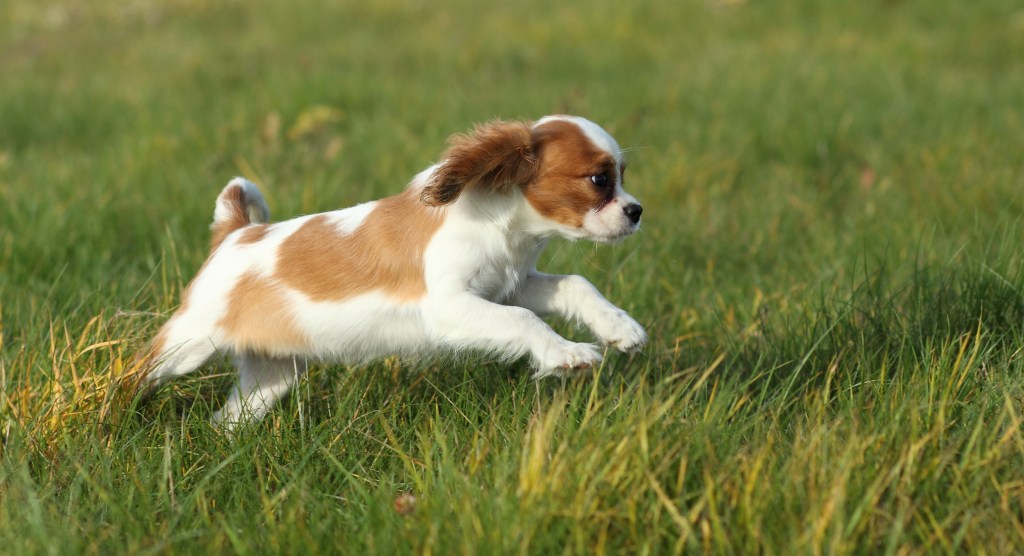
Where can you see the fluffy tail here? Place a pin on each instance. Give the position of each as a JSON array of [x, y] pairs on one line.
[[239, 204]]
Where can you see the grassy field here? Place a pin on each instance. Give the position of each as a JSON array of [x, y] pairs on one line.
[[830, 270]]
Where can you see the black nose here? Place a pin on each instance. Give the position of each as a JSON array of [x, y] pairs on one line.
[[633, 212]]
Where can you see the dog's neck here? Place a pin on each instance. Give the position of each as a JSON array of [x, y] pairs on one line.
[[492, 240]]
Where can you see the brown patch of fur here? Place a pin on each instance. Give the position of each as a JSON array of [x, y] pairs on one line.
[[385, 253], [258, 319], [497, 154], [563, 191], [238, 218], [253, 233]]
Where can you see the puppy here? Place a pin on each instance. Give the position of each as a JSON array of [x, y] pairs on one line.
[[448, 264]]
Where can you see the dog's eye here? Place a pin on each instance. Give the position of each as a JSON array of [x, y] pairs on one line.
[[600, 180]]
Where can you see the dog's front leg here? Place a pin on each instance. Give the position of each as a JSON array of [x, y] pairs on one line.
[[573, 297], [465, 321]]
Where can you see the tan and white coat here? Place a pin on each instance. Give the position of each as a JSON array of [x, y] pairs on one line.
[[448, 264]]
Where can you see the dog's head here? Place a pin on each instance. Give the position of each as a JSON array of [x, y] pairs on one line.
[[568, 170]]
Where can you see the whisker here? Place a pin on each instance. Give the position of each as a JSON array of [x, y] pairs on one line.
[[632, 149]]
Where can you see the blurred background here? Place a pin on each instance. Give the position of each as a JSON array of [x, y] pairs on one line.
[[773, 140]]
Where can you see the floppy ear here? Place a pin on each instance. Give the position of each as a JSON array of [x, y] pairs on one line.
[[495, 155]]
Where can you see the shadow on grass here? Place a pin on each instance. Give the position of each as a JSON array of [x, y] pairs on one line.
[[883, 321]]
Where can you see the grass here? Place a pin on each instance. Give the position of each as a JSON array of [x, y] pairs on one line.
[[829, 269]]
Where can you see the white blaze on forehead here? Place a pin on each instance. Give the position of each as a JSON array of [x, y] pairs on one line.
[[597, 135]]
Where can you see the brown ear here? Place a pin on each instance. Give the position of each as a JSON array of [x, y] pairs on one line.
[[495, 155]]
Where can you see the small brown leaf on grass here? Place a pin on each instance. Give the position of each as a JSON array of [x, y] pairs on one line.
[[867, 178], [405, 503]]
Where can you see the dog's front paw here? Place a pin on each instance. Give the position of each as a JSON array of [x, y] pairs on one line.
[[569, 358], [621, 332]]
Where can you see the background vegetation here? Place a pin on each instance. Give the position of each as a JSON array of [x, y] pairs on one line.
[[830, 271]]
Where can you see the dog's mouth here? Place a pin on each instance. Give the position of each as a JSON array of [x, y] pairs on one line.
[[616, 237]]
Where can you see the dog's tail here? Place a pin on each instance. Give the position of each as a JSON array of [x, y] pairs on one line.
[[239, 204]]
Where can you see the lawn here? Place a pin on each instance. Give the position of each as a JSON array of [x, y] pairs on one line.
[[830, 270]]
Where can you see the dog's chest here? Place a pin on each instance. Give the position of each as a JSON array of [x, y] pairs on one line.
[[502, 268], [496, 282]]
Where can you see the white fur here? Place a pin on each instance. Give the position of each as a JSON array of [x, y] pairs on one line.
[[597, 135], [610, 223], [483, 293]]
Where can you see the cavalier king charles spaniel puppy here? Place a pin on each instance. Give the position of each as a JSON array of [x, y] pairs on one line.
[[449, 264]]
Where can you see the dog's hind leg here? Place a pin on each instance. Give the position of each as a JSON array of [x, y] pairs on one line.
[[262, 381], [181, 347]]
